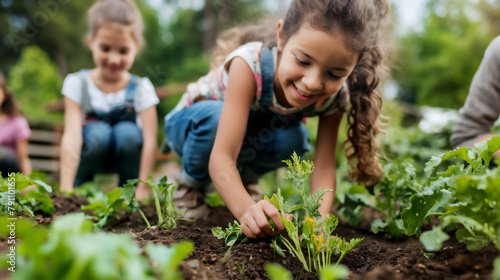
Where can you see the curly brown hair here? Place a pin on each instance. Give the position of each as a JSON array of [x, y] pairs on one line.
[[362, 23]]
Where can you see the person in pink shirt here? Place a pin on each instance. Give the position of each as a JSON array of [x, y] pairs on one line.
[[14, 135]]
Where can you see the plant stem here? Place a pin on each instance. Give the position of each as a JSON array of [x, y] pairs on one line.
[[158, 207], [145, 219]]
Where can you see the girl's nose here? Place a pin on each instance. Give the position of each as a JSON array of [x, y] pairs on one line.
[[113, 58], [313, 81]]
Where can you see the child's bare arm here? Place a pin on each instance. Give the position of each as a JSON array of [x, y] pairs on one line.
[[22, 155], [323, 175], [71, 144], [149, 132], [231, 131]]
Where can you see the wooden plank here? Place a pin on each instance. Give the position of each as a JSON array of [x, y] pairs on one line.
[[37, 150], [45, 136], [51, 165]]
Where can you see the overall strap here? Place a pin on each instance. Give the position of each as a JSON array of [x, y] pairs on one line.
[[267, 67], [86, 107], [130, 92]]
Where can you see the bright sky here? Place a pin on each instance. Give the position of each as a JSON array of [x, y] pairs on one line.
[[408, 12]]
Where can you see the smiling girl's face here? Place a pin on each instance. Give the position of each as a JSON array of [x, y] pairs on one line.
[[313, 66], [113, 49]]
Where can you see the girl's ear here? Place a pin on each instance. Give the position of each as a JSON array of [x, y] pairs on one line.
[[281, 42], [89, 40]]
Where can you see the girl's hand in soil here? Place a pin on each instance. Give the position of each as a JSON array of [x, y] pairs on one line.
[[255, 223]]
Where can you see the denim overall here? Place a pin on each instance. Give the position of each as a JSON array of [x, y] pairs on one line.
[[112, 141], [269, 137]]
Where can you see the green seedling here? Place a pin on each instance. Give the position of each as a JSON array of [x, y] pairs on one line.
[[241, 267], [231, 235], [304, 230], [70, 249], [106, 207], [12, 202], [168, 214]]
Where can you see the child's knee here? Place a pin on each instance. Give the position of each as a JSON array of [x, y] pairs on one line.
[[128, 137], [209, 115], [96, 138]]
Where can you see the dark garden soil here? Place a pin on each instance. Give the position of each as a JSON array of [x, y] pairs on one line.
[[375, 257]]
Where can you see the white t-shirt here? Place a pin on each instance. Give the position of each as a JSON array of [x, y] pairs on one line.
[[145, 95]]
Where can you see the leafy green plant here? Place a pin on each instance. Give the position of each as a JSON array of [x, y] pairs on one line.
[[213, 199], [12, 202], [466, 195], [167, 215], [277, 272], [304, 230], [389, 198], [107, 207], [231, 235], [69, 249]]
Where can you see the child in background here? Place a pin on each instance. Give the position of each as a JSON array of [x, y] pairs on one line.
[[14, 135], [482, 107], [110, 115], [245, 116]]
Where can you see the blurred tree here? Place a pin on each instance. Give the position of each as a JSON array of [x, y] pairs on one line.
[[58, 27], [218, 15], [437, 64], [34, 81]]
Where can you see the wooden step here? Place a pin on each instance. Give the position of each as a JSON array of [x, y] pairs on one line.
[[47, 165], [38, 150], [45, 136]]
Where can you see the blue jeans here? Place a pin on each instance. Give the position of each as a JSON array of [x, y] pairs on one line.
[[108, 149], [8, 162], [269, 139]]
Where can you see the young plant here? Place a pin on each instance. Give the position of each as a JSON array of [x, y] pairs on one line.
[[12, 202], [106, 207], [167, 215], [466, 195], [389, 198], [69, 249], [277, 272], [231, 235], [304, 230]]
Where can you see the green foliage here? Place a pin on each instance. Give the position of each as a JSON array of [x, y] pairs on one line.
[[213, 200], [459, 194], [389, 198], [231, 235], [305, 230], [277, 272], [167, 215], [35, 82], [70, 250], [106, 207], [12, 202], [437, 63], [166, 260]]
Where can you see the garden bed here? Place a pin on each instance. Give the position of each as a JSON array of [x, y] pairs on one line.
[[374, 258]]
